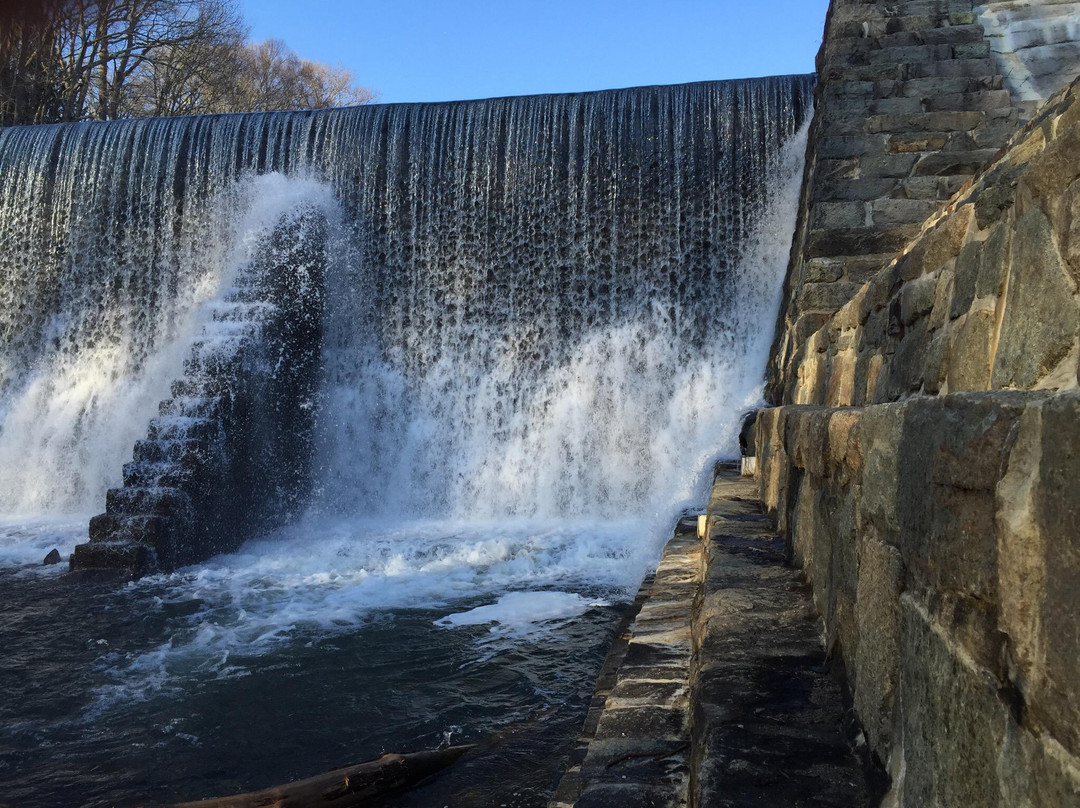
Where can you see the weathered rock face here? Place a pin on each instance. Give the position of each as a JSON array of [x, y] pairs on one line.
[[985, 298], [1036, 44], [231, 450], [940, 538], [909, 105]]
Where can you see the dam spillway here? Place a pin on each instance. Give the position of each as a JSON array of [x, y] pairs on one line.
[[543, 318], [530, 298]]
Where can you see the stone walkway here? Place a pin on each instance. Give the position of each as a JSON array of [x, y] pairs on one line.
[[720, 693]]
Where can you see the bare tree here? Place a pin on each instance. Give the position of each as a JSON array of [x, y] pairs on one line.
[[194, 76], [31, 75], [64, 60], [273, 77]]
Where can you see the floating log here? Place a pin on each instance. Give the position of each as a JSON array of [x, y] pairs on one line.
[[352, 786]]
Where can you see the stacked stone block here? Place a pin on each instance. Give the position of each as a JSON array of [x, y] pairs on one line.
[[939, 535], [909, 104], [925, 473], [230, 451], [924, 466], [985, 298], [1036, 45]]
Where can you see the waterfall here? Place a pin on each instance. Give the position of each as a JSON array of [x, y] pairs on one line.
[[545, 307]]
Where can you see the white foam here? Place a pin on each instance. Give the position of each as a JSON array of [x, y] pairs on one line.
[[523, 612], [24, 542], [628, 421], [69, 424], [329, 576]]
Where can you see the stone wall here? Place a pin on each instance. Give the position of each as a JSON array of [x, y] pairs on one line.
[[924, 464], [909, 104], [940, 537], [1036, 44], [984, 298]]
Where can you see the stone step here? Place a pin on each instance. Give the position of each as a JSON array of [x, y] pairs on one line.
[[247, 294], [170, 474], [980, 67], [181, 428], [116, 555], [957, 12], [866, 104], [246, 329], [194, 387], [216, 362], [193, 406], [972, 101], [904, 31], [941, 164], [237, 311], [885, 26], [945, 85], [874, 51], [148, 502], [109, 527], [175, 451], [218, 344]]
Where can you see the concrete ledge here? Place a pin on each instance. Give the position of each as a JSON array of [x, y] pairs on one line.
[[722, 694]]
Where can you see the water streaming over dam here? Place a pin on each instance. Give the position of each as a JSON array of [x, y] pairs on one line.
[[544, 318]]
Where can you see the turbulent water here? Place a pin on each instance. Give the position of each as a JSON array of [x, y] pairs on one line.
[[545, 317]]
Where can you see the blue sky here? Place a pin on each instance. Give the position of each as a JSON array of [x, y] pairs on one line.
[[426, 50]]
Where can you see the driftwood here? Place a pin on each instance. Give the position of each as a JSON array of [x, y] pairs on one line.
[[349, 787]]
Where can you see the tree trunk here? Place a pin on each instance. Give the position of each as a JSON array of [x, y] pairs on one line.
[[350, 787]]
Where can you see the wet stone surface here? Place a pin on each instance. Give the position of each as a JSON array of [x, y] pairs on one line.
[[721, 694], [769, 709]]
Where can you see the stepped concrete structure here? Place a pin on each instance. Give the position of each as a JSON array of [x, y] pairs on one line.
[[230, 452]]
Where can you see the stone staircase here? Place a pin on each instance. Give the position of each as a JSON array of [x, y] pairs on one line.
[[229, 451], [721, 693]]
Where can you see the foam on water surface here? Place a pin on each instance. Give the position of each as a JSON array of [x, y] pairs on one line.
[[287, 589], [523, 612]]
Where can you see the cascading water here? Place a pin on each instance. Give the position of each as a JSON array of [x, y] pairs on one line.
[[544, 318], [534, 284]]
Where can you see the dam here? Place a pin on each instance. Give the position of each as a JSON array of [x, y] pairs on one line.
[[697, 445], [506, 326]]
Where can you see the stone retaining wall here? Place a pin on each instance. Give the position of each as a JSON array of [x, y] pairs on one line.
[[924, 462], [908, 105], [940, 536], [984, 298], [1036, 44]]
